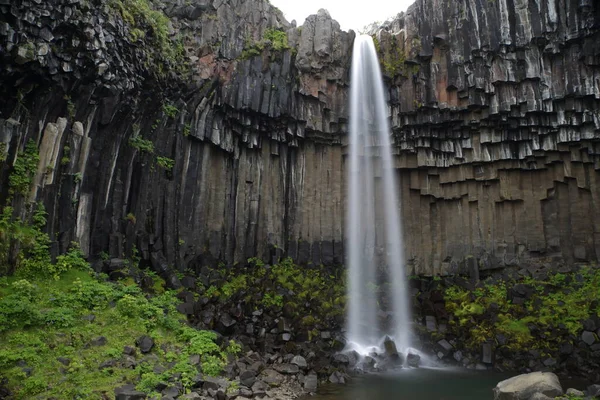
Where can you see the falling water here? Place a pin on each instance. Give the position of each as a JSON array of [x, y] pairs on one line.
[[373, 222]]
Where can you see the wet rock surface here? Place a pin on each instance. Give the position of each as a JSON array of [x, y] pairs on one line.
[[493, 111]]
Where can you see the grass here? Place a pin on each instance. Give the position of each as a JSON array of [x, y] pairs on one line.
[[43, 321]]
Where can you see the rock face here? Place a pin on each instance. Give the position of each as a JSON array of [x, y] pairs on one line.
[[494, 111], [524, 387]]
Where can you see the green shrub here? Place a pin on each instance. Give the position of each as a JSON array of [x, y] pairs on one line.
[[270, 300], [170, 110], [165, 163], [24, 169], [273, 39], [278, 39], [141, 144], [559, 304]]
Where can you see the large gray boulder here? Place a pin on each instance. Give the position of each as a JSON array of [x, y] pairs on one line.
[[524, 387]]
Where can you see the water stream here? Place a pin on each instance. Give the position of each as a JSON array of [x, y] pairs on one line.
[[375, 247]]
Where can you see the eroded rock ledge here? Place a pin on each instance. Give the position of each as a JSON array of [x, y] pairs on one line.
[[494, 107]]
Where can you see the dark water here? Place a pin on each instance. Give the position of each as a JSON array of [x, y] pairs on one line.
[[416, 384]]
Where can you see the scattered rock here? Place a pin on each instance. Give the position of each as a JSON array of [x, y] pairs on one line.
[[310, 382], [271, 377], [211, 382], [98, 341], [128, 392], [588, 338], [64, 361], [191, 396], [337, 378], [145, 343], [300, 362], [259, 388], [248, 377], [593, 390], [107, 364], [431, 323], [287, 368], [413, 360], [486, 353], [574, 392]]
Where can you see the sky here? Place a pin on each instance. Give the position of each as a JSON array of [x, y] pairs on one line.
[[350, 14]]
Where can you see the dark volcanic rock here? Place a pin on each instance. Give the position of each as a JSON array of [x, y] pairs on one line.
[[491, 106], [145, 343], [128, 392]]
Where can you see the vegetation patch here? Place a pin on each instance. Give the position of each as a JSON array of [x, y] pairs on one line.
[[151, 26], [69, 333], [299, 291], [527, 313], [24, 169], [391, 57], [273, 39], [141, 144]]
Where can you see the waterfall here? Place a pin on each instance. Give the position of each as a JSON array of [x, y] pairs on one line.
[[375, 248]]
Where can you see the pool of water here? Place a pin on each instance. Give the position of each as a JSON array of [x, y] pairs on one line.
[[416, 384]]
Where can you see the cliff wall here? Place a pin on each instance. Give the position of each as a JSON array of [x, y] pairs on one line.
[[207, 137]]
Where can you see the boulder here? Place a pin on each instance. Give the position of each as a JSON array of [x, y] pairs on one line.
[[522, 387]]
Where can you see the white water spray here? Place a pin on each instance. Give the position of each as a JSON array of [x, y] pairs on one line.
[[374, 229]]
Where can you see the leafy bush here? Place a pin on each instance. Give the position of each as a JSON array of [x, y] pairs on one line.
[[24, 169], [151, 25], [278, 39], [273, 39], [170, 110], [165, 162], [141, 144], [559, 304]]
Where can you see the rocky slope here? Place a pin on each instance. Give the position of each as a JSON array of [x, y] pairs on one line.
[[494, 106]]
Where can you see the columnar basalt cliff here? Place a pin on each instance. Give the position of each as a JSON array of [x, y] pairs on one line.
[[233, 144]]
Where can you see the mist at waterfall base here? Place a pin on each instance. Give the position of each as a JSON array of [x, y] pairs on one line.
[[375, 247]]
